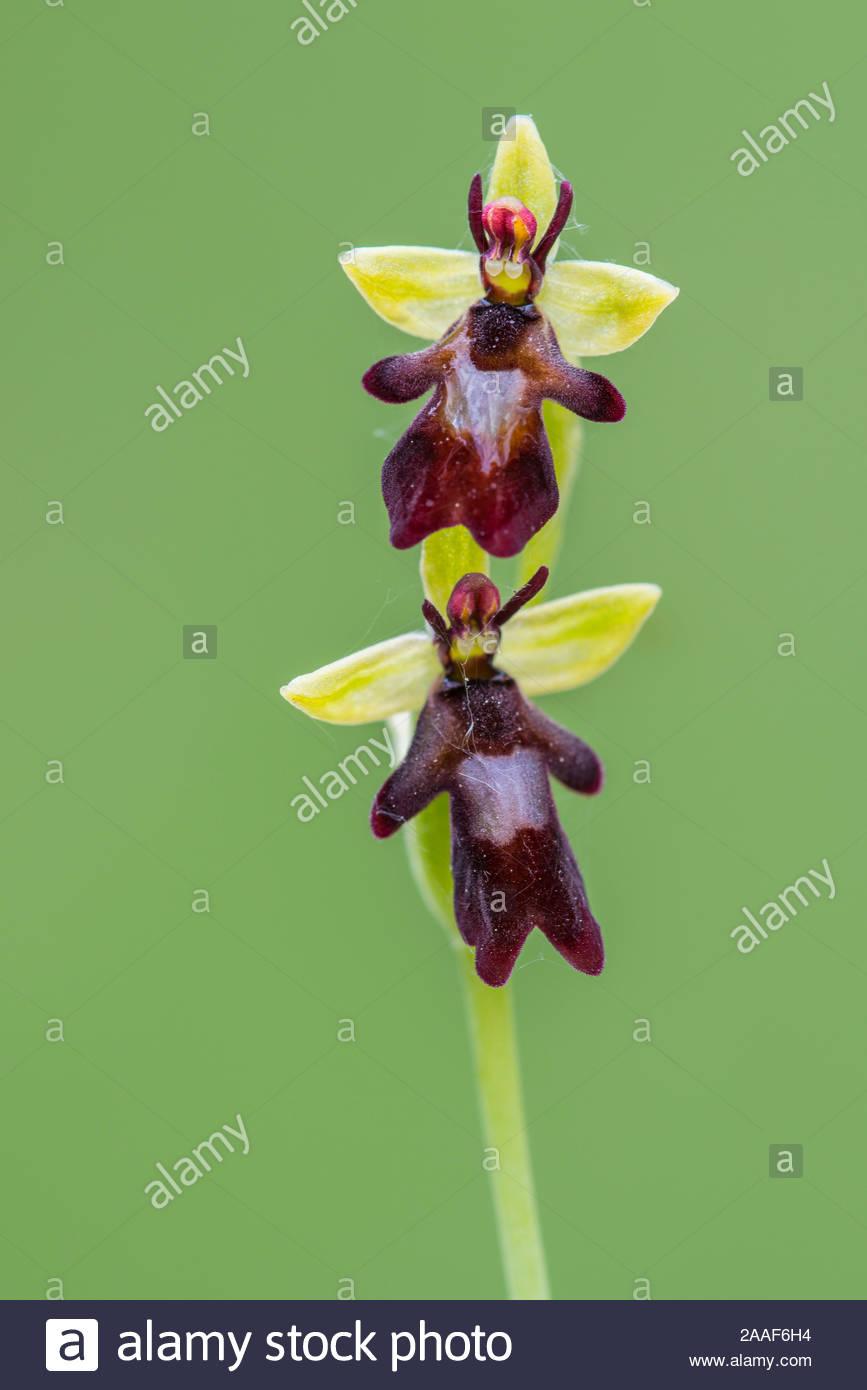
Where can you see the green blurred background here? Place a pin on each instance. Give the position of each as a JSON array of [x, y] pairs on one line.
[[366, 1159]]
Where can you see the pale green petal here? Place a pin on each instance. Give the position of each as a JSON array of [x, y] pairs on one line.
[[523, 170], [371, 684], [427, 838], [428, 845], [597, 307], [565, 432], [420, 289], [570, 641], [446, 557]]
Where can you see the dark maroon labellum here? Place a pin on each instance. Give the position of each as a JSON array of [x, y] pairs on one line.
[[477, 454]]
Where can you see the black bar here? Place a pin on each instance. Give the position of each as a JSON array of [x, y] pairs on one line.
[[599, 1345]]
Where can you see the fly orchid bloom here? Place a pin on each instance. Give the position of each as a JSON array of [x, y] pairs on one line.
[[477, 454], [480, 741]]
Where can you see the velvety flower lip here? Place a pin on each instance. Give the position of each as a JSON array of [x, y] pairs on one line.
[[477, 454], [492, 751]]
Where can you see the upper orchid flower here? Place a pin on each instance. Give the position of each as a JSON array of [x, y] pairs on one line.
[[479, 740], [477, 455]]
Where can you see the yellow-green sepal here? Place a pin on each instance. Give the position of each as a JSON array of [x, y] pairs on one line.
[[419, 289], [570, 641], [446, 557], [370, 685], [597, 307], [523, 170]]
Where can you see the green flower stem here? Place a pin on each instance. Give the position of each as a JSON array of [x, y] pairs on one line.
[[492, 1027], [491, 1019], [445, 557]]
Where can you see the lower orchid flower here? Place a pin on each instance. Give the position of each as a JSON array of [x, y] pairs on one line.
[[492, 751], [479, 740], [477, 455]]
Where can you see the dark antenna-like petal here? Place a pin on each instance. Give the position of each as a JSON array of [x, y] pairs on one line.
[[517, 601], [558, 222], [475, 202], [440, 627]]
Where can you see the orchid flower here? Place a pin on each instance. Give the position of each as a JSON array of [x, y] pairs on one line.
[[477, 454], [479, 740]]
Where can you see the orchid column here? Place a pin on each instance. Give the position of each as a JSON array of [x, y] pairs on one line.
[[481, 472]]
